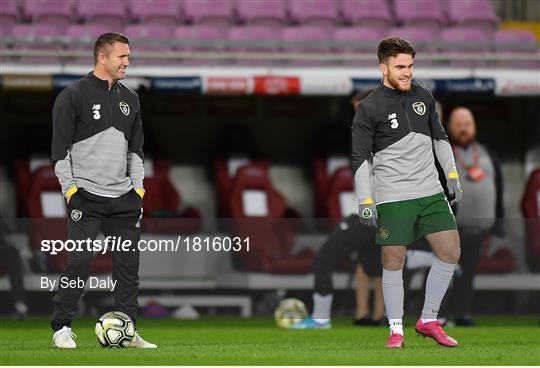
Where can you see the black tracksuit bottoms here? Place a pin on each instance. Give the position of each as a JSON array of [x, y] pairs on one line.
[[89, 215]]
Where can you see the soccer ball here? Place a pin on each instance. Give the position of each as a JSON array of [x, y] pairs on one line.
[[289, 312], [115, 330]]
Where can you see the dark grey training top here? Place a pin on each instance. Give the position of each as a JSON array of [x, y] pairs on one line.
[[98, 138], [400, 132]]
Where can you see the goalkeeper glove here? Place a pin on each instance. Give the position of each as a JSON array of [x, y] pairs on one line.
[[454, 188], [368, 213]]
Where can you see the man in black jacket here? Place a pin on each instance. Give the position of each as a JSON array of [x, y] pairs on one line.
[[397, 126], [97, 153]]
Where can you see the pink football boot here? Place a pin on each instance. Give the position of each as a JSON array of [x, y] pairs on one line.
[[434, 330], [395, 341]]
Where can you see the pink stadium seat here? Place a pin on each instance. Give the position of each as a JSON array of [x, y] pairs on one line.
[[372, 14], [108, 12], [463, 41], [360, 40], [478, 14], [37, 37], [424, 14], [217, 13], [198, 38], [270, 13], [254, 37], [322, 14], [258, 212], [57, 13], [423, 41], [163, 12], [9, 15], [148, 38], [307, 39], [518, 42], [82, 37]]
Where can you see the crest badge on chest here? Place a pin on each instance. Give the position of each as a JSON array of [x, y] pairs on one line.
[[124, 107], [419, 108]]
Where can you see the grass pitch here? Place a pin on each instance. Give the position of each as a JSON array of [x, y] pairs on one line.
[[231, 341]]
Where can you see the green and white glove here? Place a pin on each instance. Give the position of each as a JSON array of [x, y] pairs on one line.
[[454, 187], [368, 213]]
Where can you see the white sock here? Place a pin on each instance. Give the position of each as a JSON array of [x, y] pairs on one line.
[[426, 320], [437, 283], [322, 307], [396, 326]]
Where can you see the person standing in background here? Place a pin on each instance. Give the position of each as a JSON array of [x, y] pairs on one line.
[[480, 211]]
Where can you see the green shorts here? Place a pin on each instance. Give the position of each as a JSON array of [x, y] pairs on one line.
[[401, 223]]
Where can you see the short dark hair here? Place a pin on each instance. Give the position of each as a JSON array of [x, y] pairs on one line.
[[108, 39], [392, 46]]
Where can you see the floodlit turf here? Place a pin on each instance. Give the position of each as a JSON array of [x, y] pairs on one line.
[[231, 341]]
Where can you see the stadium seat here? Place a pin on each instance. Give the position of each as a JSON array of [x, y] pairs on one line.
[[225, 171], [460, 40], [324, 169], [55, 13], [340, 199], [81, 37], [149, 38], [501, 261], [258, 211], [254, 38], [322, 14], [162, 201], [165, 13], [518, 42], [358, 40], [24, 169], [9, 16], [425, 42], [216, 13], [47, 209], [112, 13], [306, 39], [424, 14], [37, 37], [262, 12], [476, 14], [530, 207], [370, 14], [198, 38]]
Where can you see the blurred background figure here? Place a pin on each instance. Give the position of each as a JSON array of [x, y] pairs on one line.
[[480, 211], [10, 260], [368, 272]]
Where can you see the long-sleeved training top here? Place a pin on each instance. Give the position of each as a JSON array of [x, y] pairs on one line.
[[98, 138], [399, 131]]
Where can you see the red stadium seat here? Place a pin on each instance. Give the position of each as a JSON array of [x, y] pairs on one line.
[[530, 206], [340, 198], [46, 207], [502, 261], [24, 169], [161, 203], [323, 170], [225, 171], [258, 211]]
